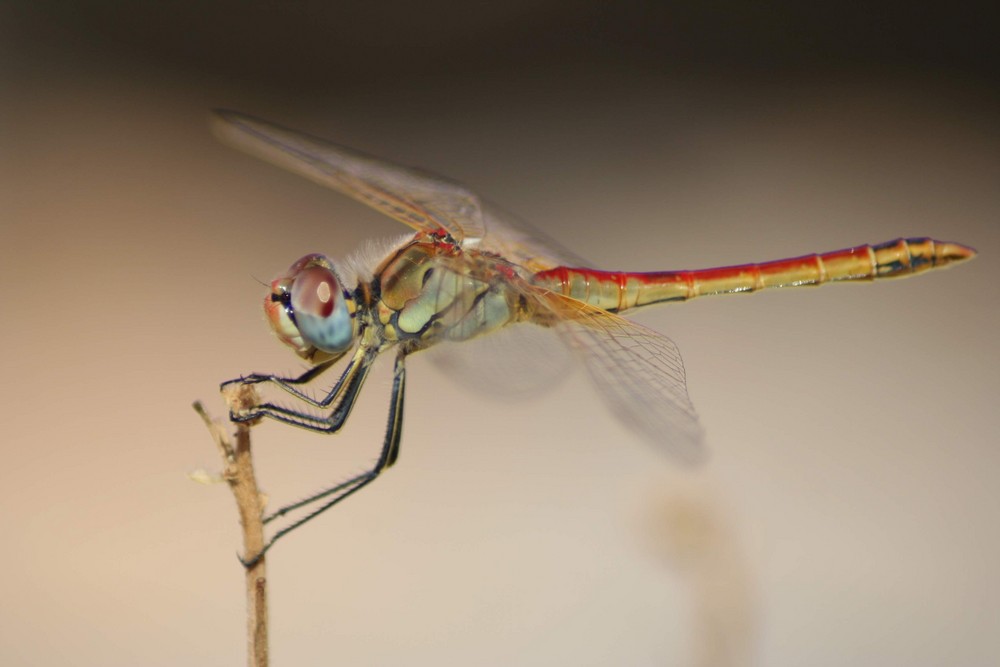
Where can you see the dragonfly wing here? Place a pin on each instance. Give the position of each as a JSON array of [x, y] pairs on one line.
[[521, 243], [424, 201], [637, 371], [515, 363]]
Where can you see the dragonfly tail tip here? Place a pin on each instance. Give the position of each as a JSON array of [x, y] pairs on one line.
[[954, 252]]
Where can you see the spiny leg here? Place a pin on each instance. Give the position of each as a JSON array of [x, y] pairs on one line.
[[343, 395], [288, 384], [388, 456]]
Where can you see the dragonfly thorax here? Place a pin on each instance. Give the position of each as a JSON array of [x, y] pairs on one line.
[[430, 292], [310, 311]]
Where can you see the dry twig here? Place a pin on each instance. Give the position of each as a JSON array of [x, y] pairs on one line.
[[238, 472]]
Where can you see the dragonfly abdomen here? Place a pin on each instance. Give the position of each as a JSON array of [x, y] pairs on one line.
[[618, 291], [614, 291]]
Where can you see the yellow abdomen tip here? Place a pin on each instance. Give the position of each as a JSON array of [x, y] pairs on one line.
[[953, 252]]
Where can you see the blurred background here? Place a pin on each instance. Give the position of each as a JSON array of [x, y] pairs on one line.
[[848, 513]]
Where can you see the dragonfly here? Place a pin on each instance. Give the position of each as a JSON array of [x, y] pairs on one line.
[[469, 270]]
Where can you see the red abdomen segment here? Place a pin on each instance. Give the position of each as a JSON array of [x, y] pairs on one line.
[[618, 291]]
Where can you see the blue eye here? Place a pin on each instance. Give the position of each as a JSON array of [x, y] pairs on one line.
[[320, 311]]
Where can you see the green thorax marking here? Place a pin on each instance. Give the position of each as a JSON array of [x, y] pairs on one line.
[[431, 292]]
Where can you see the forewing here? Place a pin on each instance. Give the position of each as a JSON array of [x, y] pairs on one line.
[[419, 199], [521, 243], [637, 371], [423, 201]]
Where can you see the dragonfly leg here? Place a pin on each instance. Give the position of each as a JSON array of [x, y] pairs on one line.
[[334, 494], [342, 397], [288, 384]]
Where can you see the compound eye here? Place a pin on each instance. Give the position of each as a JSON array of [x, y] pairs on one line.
[[320, 310]]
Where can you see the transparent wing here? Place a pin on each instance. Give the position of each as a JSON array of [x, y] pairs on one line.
[[425, 202], [637, 371], [421, 200], [521, 243], [514, 363]]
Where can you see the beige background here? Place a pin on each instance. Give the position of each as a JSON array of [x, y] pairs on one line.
[[848, 514]]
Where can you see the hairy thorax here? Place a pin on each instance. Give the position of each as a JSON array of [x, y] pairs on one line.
[[430, 291]]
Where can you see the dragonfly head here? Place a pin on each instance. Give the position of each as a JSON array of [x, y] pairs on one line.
[[310, 311]]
